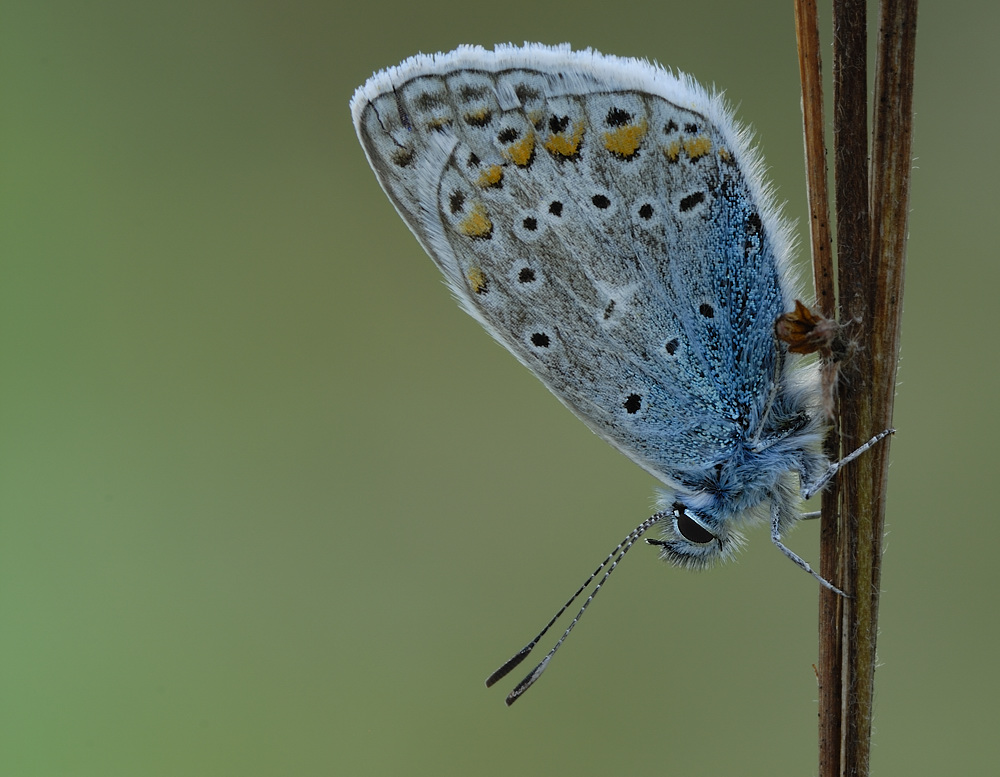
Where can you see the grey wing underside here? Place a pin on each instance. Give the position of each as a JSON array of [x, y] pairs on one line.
[[640, 289]]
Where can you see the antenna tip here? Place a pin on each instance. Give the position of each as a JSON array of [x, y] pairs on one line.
[[509, 664]]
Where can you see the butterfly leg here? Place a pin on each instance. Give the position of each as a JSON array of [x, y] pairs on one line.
[[802, 563], [822, 480]]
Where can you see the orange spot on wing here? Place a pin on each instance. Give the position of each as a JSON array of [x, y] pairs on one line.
[[522, 151], [564, 143], [478, 118], [491, 176], [477, 280], [625, 141], [477, 223], [439, 123], [697, 147]]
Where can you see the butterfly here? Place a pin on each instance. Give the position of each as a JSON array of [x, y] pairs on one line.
[[607, 221]]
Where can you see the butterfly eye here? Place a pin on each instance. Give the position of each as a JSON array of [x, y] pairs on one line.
[[689, 529]]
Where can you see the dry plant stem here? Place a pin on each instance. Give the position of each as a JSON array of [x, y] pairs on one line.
[[892, 144], [872, 225], [865, 500], [850, 132], [871, 231], [811, 77], [817, 186]]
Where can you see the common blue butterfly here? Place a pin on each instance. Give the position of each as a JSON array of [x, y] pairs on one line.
[[607, 221]]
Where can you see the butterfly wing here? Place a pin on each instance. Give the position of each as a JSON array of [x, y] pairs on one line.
[[606, 222]]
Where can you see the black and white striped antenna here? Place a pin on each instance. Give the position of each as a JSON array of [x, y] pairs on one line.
[[610, 563]]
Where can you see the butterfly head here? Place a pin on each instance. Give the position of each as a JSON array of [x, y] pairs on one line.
[[689, 538]]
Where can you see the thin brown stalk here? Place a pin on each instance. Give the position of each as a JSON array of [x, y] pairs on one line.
[[865, 412], [871, 242], [850, 133], [817, 187]]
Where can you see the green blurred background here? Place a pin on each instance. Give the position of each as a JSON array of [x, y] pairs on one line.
[[270, 504]]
